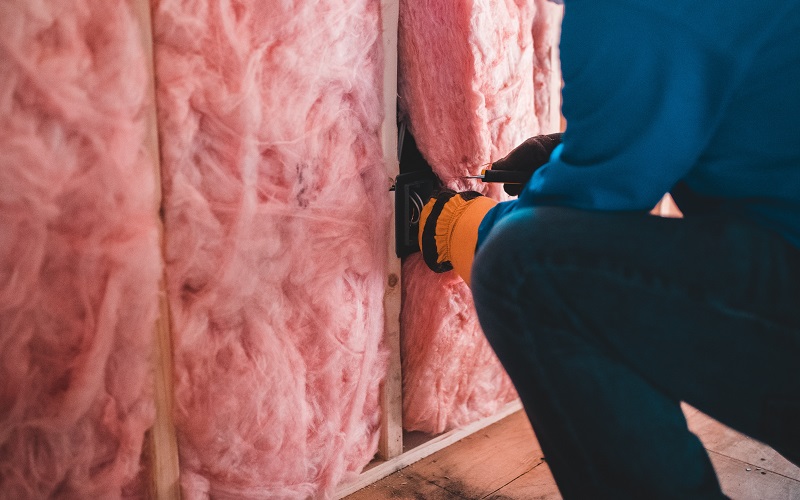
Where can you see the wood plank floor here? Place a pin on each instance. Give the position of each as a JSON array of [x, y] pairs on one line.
[[504, 462]]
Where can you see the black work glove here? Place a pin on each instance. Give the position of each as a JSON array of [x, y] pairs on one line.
[[527, 157]]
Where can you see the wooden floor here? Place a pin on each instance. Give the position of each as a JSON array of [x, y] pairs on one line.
[[504, 462]]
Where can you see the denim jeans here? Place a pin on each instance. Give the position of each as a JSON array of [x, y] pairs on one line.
[[607, 321]]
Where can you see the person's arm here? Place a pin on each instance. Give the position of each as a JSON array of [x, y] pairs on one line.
[[449, 221], [643, 92]]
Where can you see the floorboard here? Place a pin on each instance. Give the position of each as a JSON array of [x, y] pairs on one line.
[[504, 462], [403, 485], [485, 461], [536, 484], [732, 444], [744, 481]]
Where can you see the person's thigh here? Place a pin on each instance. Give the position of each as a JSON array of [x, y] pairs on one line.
[[706, 309]]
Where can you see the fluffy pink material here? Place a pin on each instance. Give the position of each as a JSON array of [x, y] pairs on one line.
[[546, 27], [452, 377], [276, 216], [79, 252], [467, 89]]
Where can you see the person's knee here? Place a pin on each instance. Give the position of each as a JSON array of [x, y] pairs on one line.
[[514, 245], [504, 263], [526, 256], [500, 253], [528, 238]]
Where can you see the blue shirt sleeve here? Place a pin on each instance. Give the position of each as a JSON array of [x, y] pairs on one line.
[[643, 92]]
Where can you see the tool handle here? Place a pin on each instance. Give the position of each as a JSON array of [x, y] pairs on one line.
[[506, 176]]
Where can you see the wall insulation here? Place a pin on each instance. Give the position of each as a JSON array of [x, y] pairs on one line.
[[276, 216], [475, 81], [276, 232], [79, 252]]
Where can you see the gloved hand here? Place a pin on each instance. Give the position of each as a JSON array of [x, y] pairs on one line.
[[449, 230], [527, 157]]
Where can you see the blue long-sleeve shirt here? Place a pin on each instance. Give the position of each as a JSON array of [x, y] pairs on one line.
[[698, 98]]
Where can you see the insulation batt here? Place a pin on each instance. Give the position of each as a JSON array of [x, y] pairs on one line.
[[276, 213], [475, 81], [79, 251]]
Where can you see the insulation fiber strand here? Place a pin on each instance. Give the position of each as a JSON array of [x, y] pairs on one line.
[[474, 83], [276, 217], [79, 255]]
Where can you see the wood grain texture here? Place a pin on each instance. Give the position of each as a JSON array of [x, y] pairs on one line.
[[485, 461], [504, 462], [726, 441], [162, 439], [401, 486], [390, 443], [424, 447], [743, 481], [536, 484]]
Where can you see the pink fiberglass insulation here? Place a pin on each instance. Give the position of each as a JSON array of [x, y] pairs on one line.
[[79, 252], [452, 377], [276, 228], [546, 27], [467, 72]]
